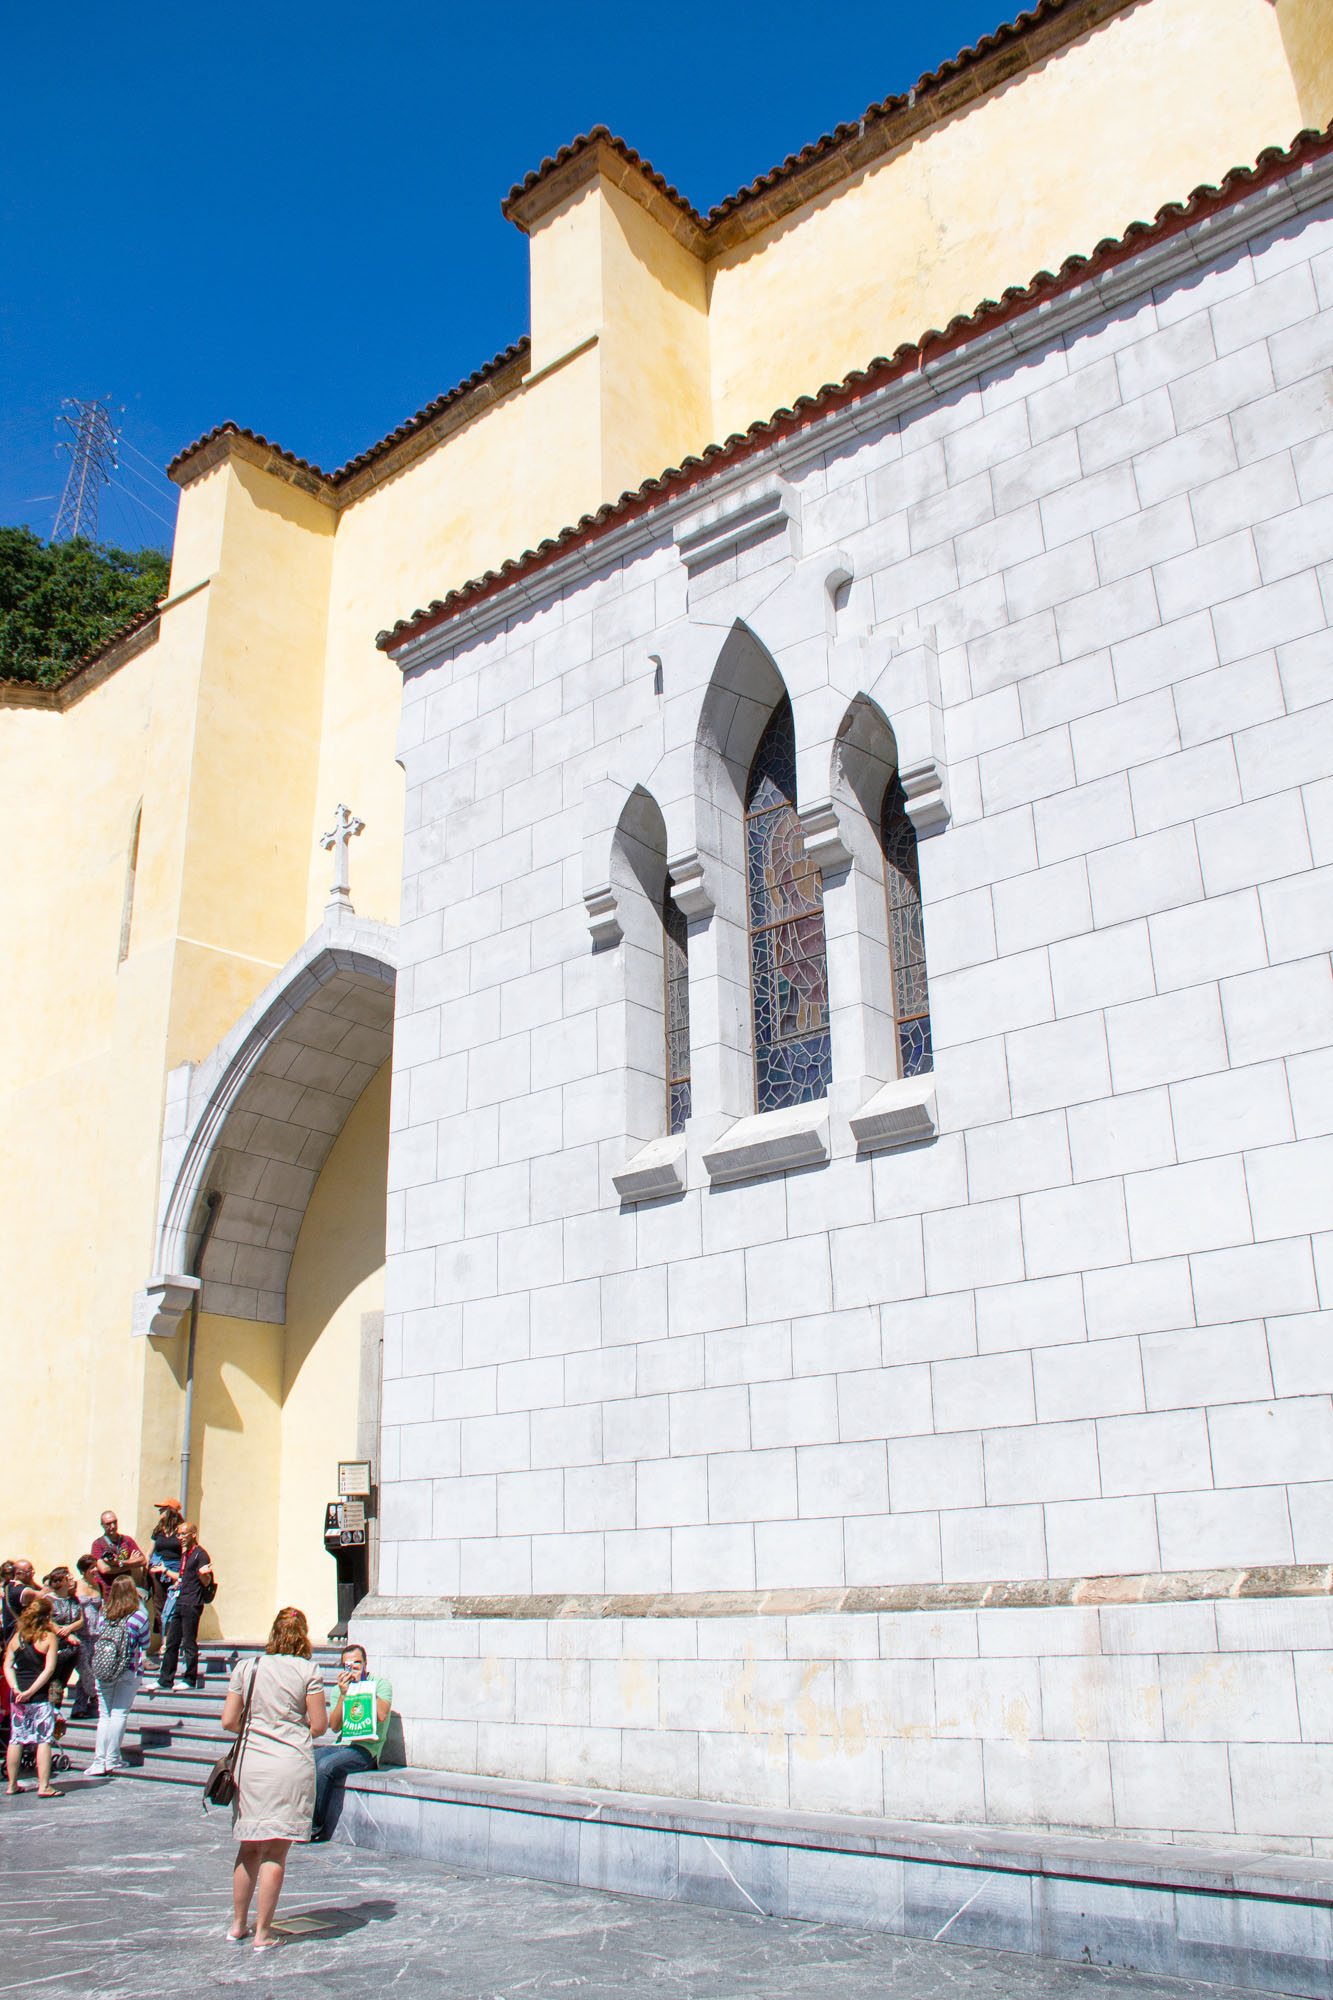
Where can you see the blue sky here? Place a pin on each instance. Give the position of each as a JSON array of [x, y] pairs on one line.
[[289, 214]]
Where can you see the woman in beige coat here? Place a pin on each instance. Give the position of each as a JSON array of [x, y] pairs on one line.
[[275, 1768]]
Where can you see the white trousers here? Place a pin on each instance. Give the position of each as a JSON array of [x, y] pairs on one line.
[[114, 1701]]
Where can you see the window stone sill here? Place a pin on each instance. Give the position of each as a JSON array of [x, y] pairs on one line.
[[657, 1169], [903, 1113], [772, 1142]]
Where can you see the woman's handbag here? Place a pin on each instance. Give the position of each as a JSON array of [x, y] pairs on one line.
[[220, 1785]]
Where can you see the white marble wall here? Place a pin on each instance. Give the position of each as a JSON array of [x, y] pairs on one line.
[[1208, 1721], [1084, 1329]]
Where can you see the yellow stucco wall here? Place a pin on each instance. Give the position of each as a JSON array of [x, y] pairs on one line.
[[250, 786], [236, 1442], [1135, 114], [337, 1276], [656, 408], [497, 485], [264, 703], [80, 1090]]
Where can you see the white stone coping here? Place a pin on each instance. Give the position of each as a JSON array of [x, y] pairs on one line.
[[903, 1113], [771, 1142], [657, 1169]]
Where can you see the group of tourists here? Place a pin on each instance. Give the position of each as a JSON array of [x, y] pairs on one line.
[[96, 1622], [94, 1626]]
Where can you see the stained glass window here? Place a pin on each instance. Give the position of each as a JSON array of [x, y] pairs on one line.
[[676, 975], [793, 1060], [907, 944]]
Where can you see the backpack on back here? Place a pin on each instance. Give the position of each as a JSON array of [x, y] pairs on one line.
[[112, 1649]]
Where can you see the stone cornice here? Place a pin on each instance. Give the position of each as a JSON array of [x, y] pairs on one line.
[[1035, 1594]]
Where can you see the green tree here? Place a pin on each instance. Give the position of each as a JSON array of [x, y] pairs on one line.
[[61, 600]]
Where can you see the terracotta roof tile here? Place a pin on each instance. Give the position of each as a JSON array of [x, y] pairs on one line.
[[50, 694], [604, 135], [1273, 163], [427, 416], [1080, 13], [230, 429], [707, 232], [424, 417]]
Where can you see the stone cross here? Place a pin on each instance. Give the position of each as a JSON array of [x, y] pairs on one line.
[[345, 826]]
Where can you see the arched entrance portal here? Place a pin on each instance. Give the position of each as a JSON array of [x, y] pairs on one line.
[[283, 1129]]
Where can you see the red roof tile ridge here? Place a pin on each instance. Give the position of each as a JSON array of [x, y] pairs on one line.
[[125, 631], [1008, 31], [435, 408], [1272, 164], [229, 428], [423, 417], [1021, 26], [600, 135]]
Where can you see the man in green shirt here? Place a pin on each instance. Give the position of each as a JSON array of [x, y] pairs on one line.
[[360, 1721]]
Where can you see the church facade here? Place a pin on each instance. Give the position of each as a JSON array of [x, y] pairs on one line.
[[861, 1180], [802, 1157]]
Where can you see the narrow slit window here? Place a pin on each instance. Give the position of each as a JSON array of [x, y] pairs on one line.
[[793, 1057], [907, 942], [676, 989], [131, 870]]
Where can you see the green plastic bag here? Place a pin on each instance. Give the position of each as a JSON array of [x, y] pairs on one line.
[[359, 1713]]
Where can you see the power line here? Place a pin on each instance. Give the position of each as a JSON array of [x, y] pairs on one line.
[[92, 448], [130, 494], [154, 468]]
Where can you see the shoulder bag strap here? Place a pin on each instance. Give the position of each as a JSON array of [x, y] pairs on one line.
[[243, 1731]]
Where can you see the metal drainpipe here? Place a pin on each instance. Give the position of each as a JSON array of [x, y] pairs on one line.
[[196, 1269]]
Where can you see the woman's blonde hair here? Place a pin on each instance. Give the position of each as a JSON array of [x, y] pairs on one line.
[[121, 1600], [289, 1634], [34, 1621]]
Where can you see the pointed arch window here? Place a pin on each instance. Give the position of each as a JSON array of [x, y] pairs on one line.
[[676, 998], [793, 1059], [907, 943]]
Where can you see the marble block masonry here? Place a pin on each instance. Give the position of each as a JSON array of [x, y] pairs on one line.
[[955, 1446]]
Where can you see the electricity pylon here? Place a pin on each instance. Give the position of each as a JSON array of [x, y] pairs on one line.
[[91, 445]]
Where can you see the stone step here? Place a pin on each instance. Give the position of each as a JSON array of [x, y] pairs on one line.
[[176, 1736], [183, 1734], [1241, 1917]]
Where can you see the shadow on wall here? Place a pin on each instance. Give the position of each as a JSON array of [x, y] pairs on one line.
[[1306, 27], [342, 1238]]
